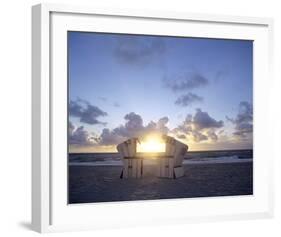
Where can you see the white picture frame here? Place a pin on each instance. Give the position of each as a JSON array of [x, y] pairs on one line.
[[50, 211]]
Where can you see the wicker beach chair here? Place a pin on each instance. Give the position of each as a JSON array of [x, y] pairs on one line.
[[132, 165], [170, 165]]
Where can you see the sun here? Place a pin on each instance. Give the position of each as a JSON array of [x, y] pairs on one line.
[[151, 144]]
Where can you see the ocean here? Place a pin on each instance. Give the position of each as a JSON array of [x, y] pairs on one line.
[[192, 157]]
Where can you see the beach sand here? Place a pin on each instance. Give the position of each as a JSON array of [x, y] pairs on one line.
[[89, 184]]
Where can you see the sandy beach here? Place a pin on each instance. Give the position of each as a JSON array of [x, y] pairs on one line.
[[89, 184]]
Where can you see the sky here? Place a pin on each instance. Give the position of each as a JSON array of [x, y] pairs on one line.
[[197, 90]]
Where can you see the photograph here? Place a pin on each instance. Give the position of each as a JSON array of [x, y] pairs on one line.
[[154, 117]]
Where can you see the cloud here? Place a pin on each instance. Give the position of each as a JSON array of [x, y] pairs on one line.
[[159, 127], [162, 122], [86, 112], [221, 74], [188, 99], [202, 120], [109, 137], [188, 80], [198, 136], [133, 50], [133, 127], [185, 82], [71, 128], [243, 121], [79, 136], [116, 104], [133, 120], [181, 136], [104, 99], [212, 135], [199, 127]]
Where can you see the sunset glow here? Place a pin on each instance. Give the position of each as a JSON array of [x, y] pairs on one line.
[[151, 144]]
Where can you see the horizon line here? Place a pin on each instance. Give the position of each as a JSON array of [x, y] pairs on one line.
[[163, 152]]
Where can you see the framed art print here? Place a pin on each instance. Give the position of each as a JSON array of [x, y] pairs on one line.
[[149, 112]]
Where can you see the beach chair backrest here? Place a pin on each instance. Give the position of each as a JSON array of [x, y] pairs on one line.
[[170, 146], [128, 148], [131, 145], [180, 151], [176, 149], [121, 148]]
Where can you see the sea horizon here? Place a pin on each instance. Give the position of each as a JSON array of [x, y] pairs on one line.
[[215, 150], [196, 157]]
